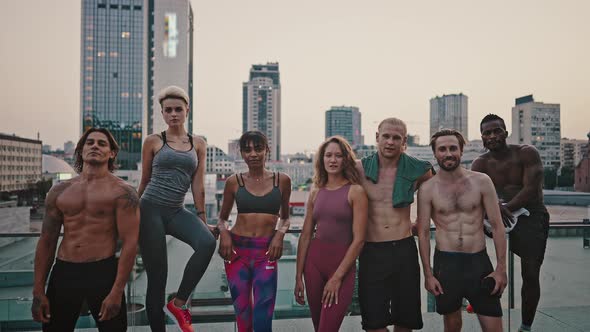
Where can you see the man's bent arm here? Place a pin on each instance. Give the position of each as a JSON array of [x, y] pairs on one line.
[[423, 225], [532, 178], [490, 201], [45, 252], [128, 230]]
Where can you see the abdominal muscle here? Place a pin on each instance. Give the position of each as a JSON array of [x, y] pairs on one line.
[[386, 223], [460, 236], [255, 225], [87, 241]]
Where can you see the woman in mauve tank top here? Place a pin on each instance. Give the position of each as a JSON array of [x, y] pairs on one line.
[[255, 242], [337, 211]]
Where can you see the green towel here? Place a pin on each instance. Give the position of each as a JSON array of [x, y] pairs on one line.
[[409, 169]]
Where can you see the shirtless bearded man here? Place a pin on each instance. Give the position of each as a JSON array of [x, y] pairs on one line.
[[389, 274], [456, 200], [95, 209]]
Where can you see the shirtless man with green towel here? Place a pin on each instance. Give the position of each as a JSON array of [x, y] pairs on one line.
[[389, 274]]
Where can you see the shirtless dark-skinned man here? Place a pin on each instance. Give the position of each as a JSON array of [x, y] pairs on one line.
[[95, 209], [517, 173]]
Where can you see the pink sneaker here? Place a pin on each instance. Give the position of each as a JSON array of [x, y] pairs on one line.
[[180, 316]]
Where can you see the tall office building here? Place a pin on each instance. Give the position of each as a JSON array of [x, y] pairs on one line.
[[538, 124], [172, 54], [262, 105], [449, 111], [346, 122], [131, 49]]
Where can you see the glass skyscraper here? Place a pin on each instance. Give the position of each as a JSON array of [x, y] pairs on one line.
[[346, 122], [131, 49]]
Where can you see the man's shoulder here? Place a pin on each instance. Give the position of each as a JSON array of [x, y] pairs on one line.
[[476, 176], [119, 185], [482, 159], [523, 148], [61, 186], [125, 193], [430, 184], [359, 166]]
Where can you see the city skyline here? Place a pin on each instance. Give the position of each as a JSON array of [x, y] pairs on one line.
[[379, 58]]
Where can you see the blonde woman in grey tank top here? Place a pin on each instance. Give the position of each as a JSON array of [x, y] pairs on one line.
[[172, 162]]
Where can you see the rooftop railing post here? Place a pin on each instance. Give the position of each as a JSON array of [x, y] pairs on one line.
[[586, 231], [510, 279], [430, 303]]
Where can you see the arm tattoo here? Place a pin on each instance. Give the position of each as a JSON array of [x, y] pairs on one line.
[[130, 197], [53, 218]]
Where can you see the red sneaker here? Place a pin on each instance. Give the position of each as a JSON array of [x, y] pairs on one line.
[[180, 316]]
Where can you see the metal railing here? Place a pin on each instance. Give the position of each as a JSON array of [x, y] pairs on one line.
[[569, 228]]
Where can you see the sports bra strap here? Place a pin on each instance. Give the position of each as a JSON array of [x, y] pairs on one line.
[[276, 184], [163, 136], [238, 179], [190, 139]]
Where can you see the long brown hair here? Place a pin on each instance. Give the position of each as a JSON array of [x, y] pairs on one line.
[[349, 171], [79, 163]]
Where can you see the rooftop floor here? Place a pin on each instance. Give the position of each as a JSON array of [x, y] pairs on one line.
[[563, 319]]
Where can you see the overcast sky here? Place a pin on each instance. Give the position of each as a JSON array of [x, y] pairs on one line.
[[386, 57]]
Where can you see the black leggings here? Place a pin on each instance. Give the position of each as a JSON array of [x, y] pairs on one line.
[[156, 222], [70, 284]]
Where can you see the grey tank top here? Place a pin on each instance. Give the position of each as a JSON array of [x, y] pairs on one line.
[[172, 172]]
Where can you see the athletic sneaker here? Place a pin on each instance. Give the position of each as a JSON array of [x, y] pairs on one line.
[[180, 316]]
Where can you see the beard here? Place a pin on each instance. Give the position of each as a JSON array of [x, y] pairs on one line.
[[495, 144], [451, 168]]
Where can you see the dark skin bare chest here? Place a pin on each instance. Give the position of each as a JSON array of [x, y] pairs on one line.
[[506, 171]]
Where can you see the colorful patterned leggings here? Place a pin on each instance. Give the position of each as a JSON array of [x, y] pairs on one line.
[[252, 282]]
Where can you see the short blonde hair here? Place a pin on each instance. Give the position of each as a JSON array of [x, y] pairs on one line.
[[394, 122], [173, 92]]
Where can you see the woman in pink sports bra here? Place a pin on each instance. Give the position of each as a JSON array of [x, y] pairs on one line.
[[337, 211]]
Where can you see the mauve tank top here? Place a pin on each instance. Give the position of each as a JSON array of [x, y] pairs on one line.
[[333, 215]]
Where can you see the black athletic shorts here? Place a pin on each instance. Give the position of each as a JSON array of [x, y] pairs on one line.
[[70, 284], [528, 239], [389, 284], [460, 275]]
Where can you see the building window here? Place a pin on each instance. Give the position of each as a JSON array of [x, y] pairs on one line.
[[125, 34]]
